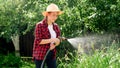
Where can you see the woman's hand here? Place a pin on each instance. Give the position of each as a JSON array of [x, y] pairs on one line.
[[56, 41], [52, 46]]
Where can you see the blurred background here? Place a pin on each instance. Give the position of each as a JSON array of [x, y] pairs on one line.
[[81, 18]]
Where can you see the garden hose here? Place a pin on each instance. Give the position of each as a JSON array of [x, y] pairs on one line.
[[61, 39], [44, 58]]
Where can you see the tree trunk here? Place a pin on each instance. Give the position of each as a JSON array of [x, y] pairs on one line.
[[15, 40]]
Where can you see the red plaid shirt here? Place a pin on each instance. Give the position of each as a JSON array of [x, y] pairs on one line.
[[42, 32]]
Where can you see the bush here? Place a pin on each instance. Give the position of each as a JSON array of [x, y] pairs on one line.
[[10, 61]]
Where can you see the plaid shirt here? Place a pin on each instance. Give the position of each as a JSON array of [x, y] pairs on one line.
[[42, 32]]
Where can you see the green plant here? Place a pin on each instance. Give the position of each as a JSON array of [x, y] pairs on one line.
[[10, 61], [27, 64], [109, 58]]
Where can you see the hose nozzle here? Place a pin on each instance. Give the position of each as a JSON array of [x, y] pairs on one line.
[[62, 38]]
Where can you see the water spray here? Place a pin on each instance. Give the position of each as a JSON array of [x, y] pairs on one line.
[[61, 39]]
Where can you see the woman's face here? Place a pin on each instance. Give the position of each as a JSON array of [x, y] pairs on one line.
[[52, 16]]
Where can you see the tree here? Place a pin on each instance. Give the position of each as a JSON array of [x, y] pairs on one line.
[[15, 19]]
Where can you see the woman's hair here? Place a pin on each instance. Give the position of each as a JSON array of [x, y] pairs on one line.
[[46, 16]]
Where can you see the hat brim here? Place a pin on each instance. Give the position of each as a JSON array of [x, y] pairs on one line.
[[46, 12]]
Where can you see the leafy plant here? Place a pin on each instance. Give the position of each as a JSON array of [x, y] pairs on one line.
[[10, 61], [99, 59]]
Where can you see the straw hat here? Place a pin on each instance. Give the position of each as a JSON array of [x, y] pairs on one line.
[[52, 8]]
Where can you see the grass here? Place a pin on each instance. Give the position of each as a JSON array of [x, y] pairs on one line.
[[108, 57]]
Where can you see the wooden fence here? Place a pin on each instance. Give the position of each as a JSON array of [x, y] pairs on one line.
[[26, 44]]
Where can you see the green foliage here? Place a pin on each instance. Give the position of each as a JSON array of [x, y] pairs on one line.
[[27, 64], [10, 61], [100, 59], [18, 17], [80, 16], [106, 16]]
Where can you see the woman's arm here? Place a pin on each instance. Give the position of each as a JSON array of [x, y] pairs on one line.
[[45, 41]]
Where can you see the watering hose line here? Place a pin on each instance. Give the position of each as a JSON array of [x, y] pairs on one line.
[[44, 58]]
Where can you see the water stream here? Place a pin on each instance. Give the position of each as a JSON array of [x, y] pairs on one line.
[[87, 43]]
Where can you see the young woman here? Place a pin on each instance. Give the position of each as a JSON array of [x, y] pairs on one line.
[[46, 37]]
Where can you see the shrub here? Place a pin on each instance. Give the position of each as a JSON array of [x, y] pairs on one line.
[[10, 61]]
